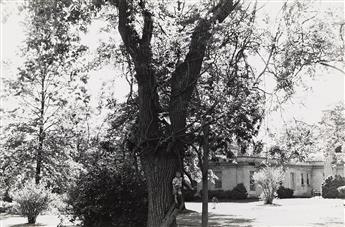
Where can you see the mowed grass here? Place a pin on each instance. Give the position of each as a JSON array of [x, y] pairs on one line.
[[311, 212], [42, 220]]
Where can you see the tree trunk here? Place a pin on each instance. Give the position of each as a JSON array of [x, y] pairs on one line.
[[32, 219], [204, 219], [159, 172], [39, 157]]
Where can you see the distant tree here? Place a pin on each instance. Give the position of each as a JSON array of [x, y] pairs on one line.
[[332, 129], [296, 143]]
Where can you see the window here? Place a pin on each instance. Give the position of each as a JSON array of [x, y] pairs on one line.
[[307, 179], [292, 180], [302, 179], [218, 182], [251, 181]]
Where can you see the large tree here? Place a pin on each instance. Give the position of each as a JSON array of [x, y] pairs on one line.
[[165, 45], [162, 158]]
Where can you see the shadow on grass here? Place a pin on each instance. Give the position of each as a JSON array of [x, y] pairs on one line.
[[250, 200], [27, 225], [270, 205], [329, 223], [193, 218]]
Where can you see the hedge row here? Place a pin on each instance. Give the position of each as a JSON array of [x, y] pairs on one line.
[[237, 193]]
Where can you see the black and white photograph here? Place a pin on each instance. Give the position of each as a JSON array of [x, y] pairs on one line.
[[172, 113]]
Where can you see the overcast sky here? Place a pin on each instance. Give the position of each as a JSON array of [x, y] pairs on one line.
[[327, 89]]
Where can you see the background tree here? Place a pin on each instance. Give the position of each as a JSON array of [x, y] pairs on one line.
[[49, 79], [297, 142], [332, 128]]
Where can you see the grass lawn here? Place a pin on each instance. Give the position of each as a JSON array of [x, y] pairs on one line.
[[285, 212], [42, 220], [313, 212]]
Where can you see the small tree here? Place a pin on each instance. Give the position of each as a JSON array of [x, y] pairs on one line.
[[268, 179], [32, 199]]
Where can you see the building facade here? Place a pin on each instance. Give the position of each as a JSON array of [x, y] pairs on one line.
[[304, 177]]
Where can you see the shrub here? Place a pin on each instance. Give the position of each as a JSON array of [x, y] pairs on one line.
[[5, 207], [330, 187], [32, 200], [109, 197], [239, 192], [283, 192], [268, 179], [219, 194], [7, 197]]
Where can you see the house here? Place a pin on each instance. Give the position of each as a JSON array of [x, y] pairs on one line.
[[303, 177]]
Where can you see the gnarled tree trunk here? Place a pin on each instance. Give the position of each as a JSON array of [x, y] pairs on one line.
[[160, 162], [159, 170]]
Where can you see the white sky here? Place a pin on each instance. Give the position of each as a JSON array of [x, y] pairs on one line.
[[327, 88]]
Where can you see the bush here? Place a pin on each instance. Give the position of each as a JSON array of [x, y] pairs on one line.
[[109, 197], [219, 194], [7, 197], [268, 179], [239, 192], [330, 187], [32, 200], [283, 192], [6, 207]]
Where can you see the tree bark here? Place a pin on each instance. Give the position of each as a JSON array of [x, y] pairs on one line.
[[159, 171]]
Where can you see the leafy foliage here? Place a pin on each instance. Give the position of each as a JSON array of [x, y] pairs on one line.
[[239, 192], [297, 142], [32, 200], [50, 98], [268, 178], [332, 129], [109, 197], [330, 187], [6, 207], [283, 192]]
